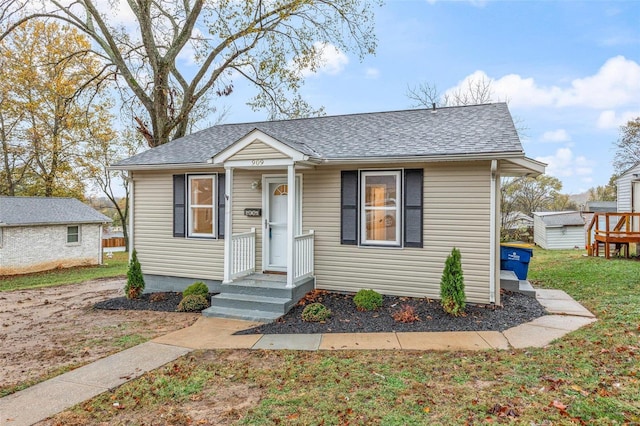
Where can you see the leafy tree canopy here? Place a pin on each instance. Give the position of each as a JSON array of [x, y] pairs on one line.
[[267, 43]]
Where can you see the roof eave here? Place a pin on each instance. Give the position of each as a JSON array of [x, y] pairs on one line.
[[428, 158], [66, 222]]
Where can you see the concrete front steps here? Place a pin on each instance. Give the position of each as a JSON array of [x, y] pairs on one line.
[[257, 297], [509, 281]]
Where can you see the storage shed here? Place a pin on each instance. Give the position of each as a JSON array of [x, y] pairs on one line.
[[558, 230], [42, 233]]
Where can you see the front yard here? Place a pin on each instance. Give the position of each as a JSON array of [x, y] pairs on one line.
[[589, 377]]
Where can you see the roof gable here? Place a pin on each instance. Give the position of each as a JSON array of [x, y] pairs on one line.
[[23, 211], [255, 146]]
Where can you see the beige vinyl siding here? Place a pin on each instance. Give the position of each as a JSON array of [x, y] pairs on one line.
[[161, 253], [257, 150], [456, 213]]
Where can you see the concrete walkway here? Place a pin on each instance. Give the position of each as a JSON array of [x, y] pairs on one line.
[[55, 395]]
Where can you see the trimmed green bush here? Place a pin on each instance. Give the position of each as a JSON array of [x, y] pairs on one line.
[[315, 312], [453, 298], [367, 300], [193, 303], [135, 281], [196, 288]]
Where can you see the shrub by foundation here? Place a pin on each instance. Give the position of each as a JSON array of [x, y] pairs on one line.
[[367, 300]]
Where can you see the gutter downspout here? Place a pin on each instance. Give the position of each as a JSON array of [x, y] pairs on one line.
[[492, 234], [131, 214]]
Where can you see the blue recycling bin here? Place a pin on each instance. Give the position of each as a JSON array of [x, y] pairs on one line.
[[516, 259]]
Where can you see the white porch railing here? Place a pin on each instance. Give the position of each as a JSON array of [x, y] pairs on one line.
[[243, 253], [303, 255]]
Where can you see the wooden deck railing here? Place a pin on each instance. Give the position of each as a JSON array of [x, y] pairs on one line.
[[619, 230], [243, 253]]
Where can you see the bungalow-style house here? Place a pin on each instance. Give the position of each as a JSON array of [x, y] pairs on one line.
[[341, 203], [42, 233], [559, 230]]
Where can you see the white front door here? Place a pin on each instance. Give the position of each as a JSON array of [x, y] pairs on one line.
[[275, 232]]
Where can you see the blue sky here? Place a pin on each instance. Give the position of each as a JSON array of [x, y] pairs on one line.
[[569, 69]]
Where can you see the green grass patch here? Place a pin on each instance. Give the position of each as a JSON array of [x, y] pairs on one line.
[[591, 376], [115, 267]]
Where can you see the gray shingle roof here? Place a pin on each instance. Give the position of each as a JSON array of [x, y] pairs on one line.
[[21, 211], [468, 130], [555, 219]]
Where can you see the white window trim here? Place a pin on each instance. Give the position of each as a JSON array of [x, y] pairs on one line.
[[398, 208], [1, 235], [190, 206], [74, 243]]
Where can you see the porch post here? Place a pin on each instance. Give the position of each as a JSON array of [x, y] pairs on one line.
[[228, 209], [291, 220]]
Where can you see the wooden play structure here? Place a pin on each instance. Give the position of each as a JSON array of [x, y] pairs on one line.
[[613, 231]]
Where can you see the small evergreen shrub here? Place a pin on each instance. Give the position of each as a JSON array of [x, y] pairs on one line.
[[367, 300], [196, 288], [406, 314], [315, 312], [135, 281], [452, 296], [193, 303]]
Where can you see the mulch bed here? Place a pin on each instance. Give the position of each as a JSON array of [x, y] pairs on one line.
[[516, 309], [164, 302]]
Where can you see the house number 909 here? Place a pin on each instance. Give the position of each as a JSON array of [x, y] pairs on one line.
[[257, 162]]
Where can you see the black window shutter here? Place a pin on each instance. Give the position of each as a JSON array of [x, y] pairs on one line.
[[413, 196], [179, 202], [349, 207], [222, 201]]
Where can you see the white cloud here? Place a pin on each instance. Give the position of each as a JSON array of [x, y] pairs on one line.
[[609, 119], [563, 163], [372, 73], [560, 135], [615, 85], [332, 60]]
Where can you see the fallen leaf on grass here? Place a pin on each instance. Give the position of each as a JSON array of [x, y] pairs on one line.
[[559, 405], [503, 411], [580, 390]]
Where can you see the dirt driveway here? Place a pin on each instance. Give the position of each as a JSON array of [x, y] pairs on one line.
[[45, 331]]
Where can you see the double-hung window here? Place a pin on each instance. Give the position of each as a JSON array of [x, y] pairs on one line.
[[382, 207], [198, 205], [201, 206], [380, 214], [73, 234]]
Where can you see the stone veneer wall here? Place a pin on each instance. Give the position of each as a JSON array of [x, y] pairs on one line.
[[40, 248]]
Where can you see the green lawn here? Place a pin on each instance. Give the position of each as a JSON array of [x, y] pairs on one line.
[[591, 376], [114, 267]]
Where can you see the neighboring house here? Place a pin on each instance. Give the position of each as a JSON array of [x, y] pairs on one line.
[[628, 190], [558, 230], [42, 233], [516, 220], [357, 201], [601, 207]]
